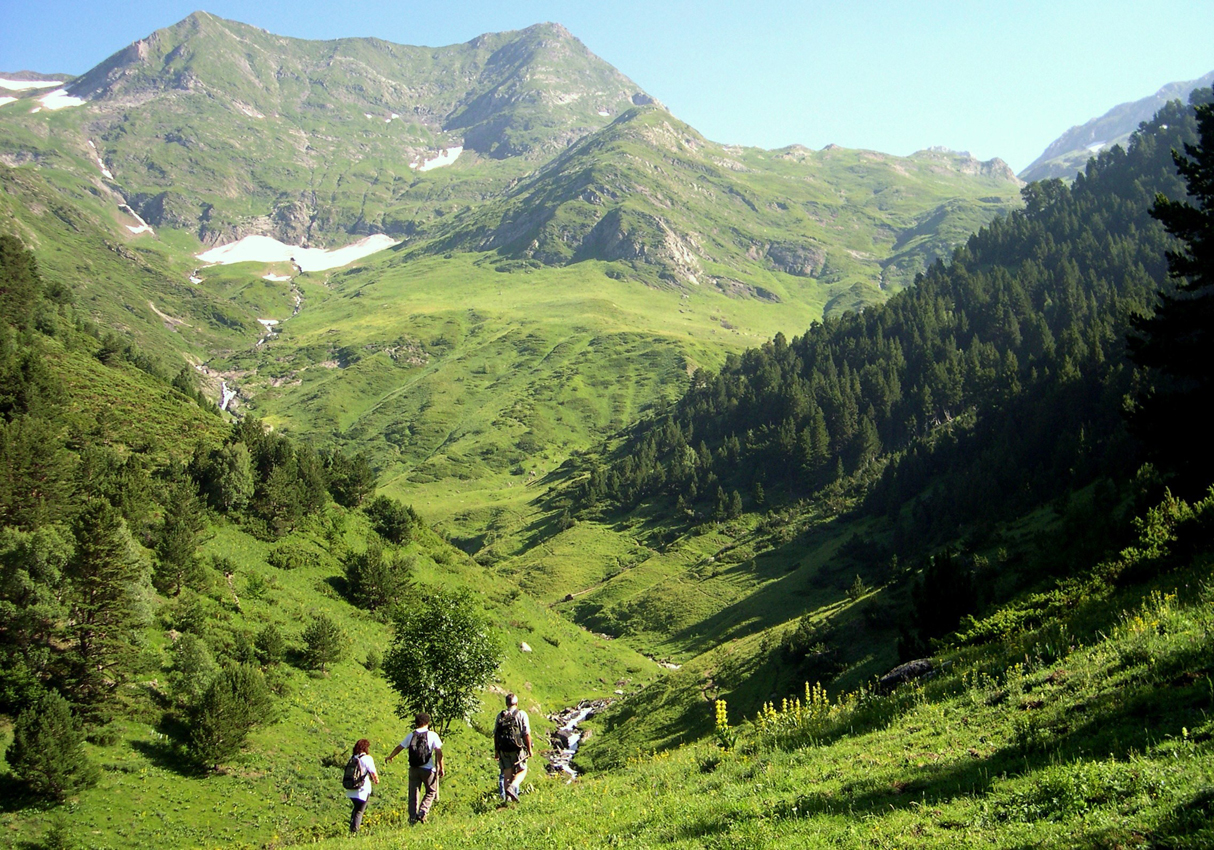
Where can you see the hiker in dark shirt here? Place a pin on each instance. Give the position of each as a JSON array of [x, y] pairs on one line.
[[425, 766], [512, 747]]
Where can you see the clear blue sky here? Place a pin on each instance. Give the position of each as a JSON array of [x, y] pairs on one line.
[[994, 77]]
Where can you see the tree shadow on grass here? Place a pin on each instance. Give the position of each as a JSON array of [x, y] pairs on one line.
[[168, 753], [15, 797], [1189, 825]]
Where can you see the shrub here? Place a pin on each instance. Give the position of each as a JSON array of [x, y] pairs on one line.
[[324, 643], [47, 751], [292, 555], [236, 702], [374, 660]]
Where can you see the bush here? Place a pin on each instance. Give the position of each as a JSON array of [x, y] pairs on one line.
[[291, 556], [270, 646], [374, 660], [324, 643], [47, 753], [237, 701], [392, 520]]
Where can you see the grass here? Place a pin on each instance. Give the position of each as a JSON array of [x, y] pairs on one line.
[[1089, 743]]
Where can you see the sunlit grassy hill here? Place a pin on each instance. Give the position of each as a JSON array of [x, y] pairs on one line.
[[1088, 728]]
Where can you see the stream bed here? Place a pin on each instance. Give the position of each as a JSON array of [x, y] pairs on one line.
[[567, 736]]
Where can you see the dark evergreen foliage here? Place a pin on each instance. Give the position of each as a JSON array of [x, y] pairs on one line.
[[994, 384], [377, 580], [351, 479], [393, 521], [236, 702], [1176, 343], [47, 752], [106, 579], [270, 645], [177, 564], [325, 643]]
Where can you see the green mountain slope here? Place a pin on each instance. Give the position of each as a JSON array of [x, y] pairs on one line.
[[962, 442], [82, 426], [222, 129], [650, 191]]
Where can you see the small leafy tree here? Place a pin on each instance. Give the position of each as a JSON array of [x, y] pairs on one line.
[[47, 750], [193, 669], [324, 643], [442, 653], [236, 702]]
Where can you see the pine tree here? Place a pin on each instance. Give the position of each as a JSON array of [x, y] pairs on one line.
[[236, 702], [1176, 344], [177, 563], [324, 643], [270, 645], [107, 581], [376, 579], [47, 751]]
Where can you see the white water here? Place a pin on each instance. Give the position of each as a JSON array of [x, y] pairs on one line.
[[561, 759], [225, 394]]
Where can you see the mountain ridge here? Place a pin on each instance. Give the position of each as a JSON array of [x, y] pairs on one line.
[[1067, 155]]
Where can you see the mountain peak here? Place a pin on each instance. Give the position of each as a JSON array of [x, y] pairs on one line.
[[1070, 152]]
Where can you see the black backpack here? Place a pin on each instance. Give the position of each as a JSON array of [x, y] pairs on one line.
[[508, 732], [355, 774], [419, 748]]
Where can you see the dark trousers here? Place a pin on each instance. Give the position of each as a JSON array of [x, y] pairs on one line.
[[421, 778], [356, 816]]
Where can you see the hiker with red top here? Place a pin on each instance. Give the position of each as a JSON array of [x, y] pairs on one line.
[[357, 780]]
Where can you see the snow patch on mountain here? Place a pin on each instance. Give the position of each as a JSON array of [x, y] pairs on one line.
[[59, 99], [25, 85], [445, 157], [264, 249], [142, 227]]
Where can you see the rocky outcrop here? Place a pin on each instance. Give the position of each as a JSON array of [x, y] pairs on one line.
[[802, 260]]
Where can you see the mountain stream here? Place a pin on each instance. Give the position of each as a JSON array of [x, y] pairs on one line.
[[566, 738]]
